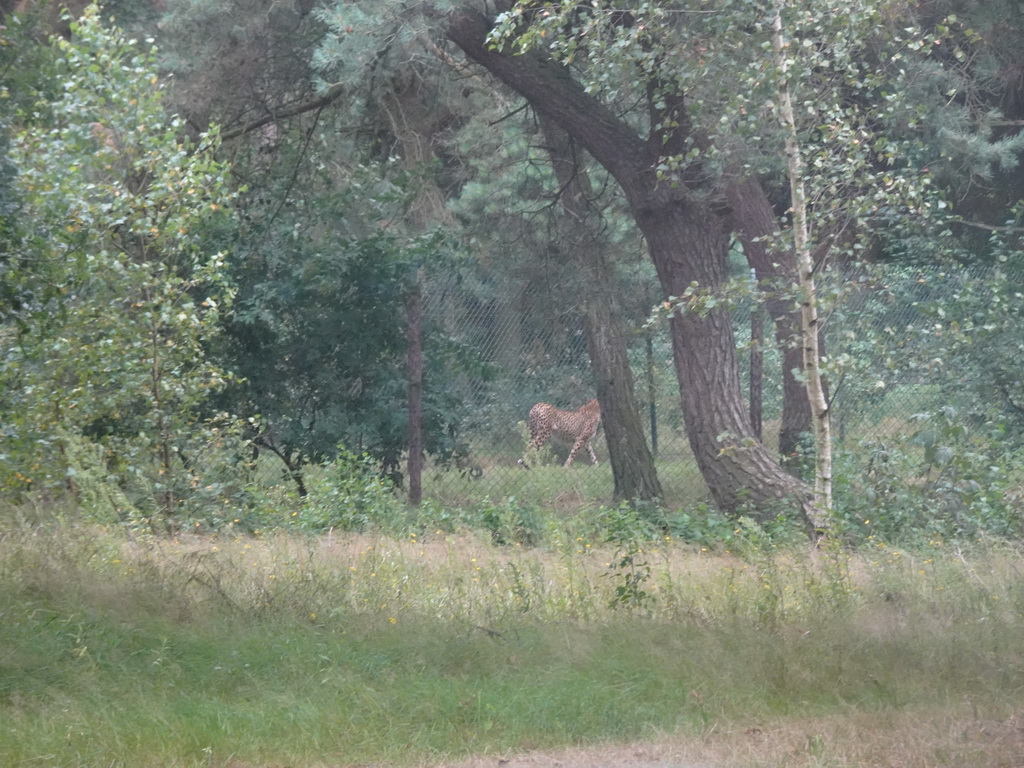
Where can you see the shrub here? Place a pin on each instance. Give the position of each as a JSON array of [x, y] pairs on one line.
[[944, 480], [348, 495], [512, 522]]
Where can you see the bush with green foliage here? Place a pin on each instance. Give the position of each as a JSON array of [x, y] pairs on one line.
[[511, 521], [114, 293], [348, 494], [942, 481], [319, 332]]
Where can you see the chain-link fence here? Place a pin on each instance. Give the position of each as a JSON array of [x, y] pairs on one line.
[[901, 344]]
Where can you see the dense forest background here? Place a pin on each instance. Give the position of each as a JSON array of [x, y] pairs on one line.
[[258, 258]]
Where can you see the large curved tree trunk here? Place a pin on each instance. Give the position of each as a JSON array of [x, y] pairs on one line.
[[632, 462], [688, 244], [687, 241]]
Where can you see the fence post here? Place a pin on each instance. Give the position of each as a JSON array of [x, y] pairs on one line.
[[757, 370], [414, 333], [652, 403]]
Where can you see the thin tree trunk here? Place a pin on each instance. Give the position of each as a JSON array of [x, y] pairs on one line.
[[165, 471], [808, 291], [414, 120], [775, 269], [632, 464]]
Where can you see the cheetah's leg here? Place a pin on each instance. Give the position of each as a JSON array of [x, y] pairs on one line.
[[575, 449], [572, 454]]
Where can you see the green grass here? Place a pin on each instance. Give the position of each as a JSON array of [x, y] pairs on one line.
[[552, 486], [359, 649], [495, 474]]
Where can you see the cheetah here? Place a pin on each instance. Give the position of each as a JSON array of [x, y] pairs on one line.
[[575, 427]]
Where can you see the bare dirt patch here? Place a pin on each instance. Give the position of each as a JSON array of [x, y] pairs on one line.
[[924, 738]]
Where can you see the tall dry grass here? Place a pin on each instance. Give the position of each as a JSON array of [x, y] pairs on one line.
[[356, 649]]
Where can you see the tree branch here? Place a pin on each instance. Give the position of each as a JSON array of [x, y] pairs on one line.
[[989, 227], [326, 99], [554, 93]]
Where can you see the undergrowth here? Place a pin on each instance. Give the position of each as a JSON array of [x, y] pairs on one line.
[[354, 648]]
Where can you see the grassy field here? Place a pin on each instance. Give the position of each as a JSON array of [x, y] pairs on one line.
[[343, 650]]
